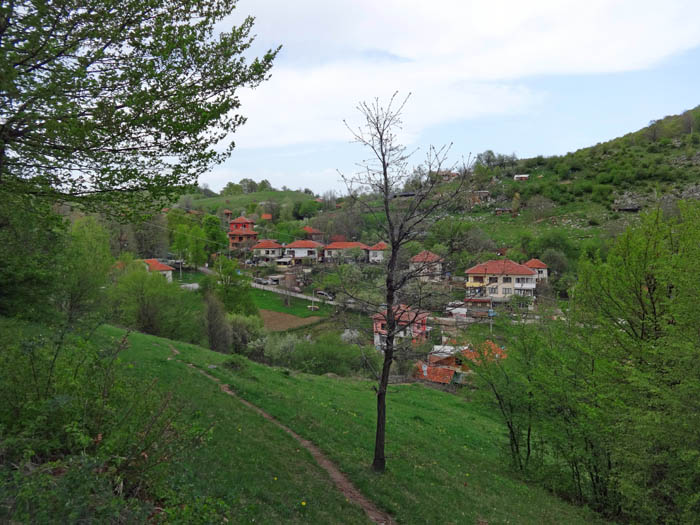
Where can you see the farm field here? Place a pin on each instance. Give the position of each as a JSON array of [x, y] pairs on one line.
[[266, 300], [279, 322]]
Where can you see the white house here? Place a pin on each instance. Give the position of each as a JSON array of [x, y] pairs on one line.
[[302, 249], [154, 265], [541, 268], [376, 252], [267, 250]]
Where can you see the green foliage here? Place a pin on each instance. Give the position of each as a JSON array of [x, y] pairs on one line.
[[233, 287], [232, 188], [245, 329], [216, 240], [196, 246]]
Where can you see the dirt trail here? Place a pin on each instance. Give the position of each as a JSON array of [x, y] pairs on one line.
[[341, 481]]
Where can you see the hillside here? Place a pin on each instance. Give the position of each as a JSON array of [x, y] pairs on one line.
[[445, 461], [240, 203]]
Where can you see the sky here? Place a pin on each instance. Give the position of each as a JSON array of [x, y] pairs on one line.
[[541, 77]]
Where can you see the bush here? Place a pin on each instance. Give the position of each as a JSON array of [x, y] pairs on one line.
[[245, 329]]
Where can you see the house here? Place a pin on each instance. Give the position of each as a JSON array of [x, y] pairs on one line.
[[521, 177], [376, 252], [498, 280], [313, 234], [449, 364], [541, 268], [241, 233], [412, 324], [154, 265], [427, 265], [340, 249], [228, 214], [267, 250], [297, 251], [266, 217]]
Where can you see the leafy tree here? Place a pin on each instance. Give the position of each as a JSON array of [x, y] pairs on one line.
[[232, 188], [233, 287], [118, 102], [248, 185], [264, 185], [196, 246], [215, 235]]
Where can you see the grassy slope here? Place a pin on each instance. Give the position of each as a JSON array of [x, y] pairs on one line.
[[238, 466], [444, 455], [236, 203]]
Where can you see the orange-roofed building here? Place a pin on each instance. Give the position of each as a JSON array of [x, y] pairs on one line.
[[427, 265], [154, 265], [297, 251], [446, 364], [376, 252], [313, 233], [412, 324], [241, 233], [266, 217], [338, 249], [499, 280], [267, 250], [541, 268]]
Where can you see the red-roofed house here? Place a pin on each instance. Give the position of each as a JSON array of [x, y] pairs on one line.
[[541, 268], [154, 265], [266, 217], [376, 252], [500, 279], [267, 250], [339, 249], [446, 364], [303, 249], [412, 323], [427, 265], [313, 233], [241, 233]]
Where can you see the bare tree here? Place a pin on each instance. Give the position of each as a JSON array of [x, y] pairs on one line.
[[379, 189]]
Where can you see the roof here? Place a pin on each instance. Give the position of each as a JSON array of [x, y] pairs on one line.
[[340, 245], [242, 220], [436, 374], [268, 244], [154, 265], [500, 267], [380, 246], [266, 217], [304, 244], [242, 231], [227, 212], [535, 263], [403, 313], [338, 238], [309, 229], [426, 257]]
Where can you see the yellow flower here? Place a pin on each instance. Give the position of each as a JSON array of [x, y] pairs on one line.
[[303, 504], [275, 478]]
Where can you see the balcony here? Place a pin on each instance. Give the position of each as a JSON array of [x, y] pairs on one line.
[[525, 286]]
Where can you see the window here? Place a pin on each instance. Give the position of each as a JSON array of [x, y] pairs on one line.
[[493, 280], [477, 279], [507, 291], [507, 279], [493, 290]]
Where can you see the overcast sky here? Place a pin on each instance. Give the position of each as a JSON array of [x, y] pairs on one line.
[[524, 77]]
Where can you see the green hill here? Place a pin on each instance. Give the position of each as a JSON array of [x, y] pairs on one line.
[[239, 203], [444, 453]]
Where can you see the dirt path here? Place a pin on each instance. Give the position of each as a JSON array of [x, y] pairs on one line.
[[341, 481]]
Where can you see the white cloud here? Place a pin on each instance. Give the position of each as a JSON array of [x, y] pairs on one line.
[[460, 59]]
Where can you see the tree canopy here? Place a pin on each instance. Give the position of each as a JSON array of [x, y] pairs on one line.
[[105, 100]]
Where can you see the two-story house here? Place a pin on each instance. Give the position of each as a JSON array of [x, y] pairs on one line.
[[427, 265], [267, 250], [498, 280], [412, 324], [297, 251], [241, 233]]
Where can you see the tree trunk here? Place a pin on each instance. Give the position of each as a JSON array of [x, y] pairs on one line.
[[379, 463]]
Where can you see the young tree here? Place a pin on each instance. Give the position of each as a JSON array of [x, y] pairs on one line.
[[402, 220], [215, 235], [110, 101], [196, 253]]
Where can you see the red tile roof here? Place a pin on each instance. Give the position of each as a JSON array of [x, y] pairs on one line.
[[242, 220], [535, 263], [380, 246], [266, 217], [426, 257], [404, 314], [304, 244], [436, 374], [309, 229], [154, 265], [338, 238], [267, 244], [500, 267], [242, 231], [339, 245]]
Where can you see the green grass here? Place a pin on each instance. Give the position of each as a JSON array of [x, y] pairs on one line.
[[188, 276], [267, 300], [445, 455], [249, 465]]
